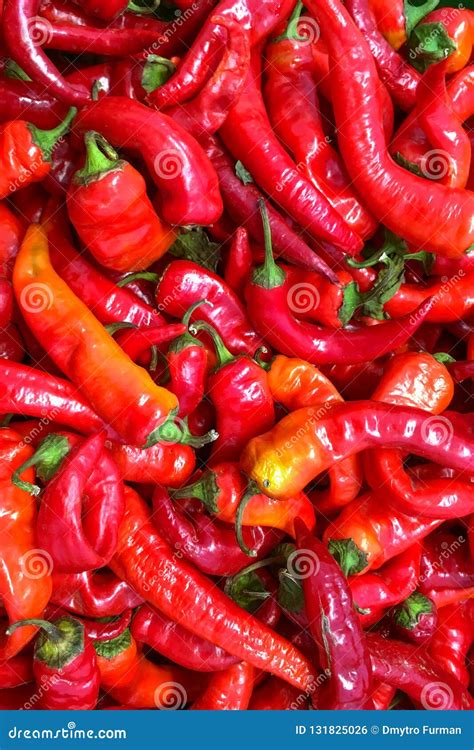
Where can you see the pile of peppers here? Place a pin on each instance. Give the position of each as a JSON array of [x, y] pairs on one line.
[[236, 354]]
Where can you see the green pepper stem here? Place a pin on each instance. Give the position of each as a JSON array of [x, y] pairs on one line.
[[224, 357], [270, 275], [249, 495], [47, 460], [143, 10], [101, 158], [53, 632], [46, 140], [204, 489], [156, 71], [140, 276]]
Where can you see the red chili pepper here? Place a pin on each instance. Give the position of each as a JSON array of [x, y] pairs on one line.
[[248, 135], [111, 212], [334, 626], [81, 510], [104, 630], [211, 545], [293, 109], [239, 261], [25, 152], [446, 563], [35, 393], [440, 34], [399, 77], [18, 97], [188, 365], [257, 16], [396, 19], [16, 671], [452, 640], [395, 581], [107, 10], [93, 593], [191, 599], [269, 308], [64, 660], [137, 343], [184, 283], [241, 202], [429, 215], [188, 191], [446, 597], [276, 695], [452, 299], [405, 667], [19, 17], [162, 634], [168, 463], [229, 690], [382, 696], [238, 388], [207, 111]]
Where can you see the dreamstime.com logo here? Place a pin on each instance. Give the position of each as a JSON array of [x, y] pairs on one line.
[[70, 732]]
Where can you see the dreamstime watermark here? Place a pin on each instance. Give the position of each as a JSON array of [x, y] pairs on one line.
[[436, 430], [436, 164], [170, 696], [437, 696], [314, 685], [447, 283], [303, 298], [36, 563], [302, 564], [168, 164], [36, 298], [173, 27], [38, 30]]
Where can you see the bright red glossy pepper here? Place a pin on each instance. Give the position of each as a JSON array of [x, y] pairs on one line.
[[65, 660], [239, 261], [396, 18], [93, 593], [446, 563], [81, 346], [443, 32], [25, 580], [163, 463], [184, 284], [25, 152], [405, 667], [453, 298], [81, 510], [163, 634], [248, 135], [193, 601], [424, 213], [293, 109], [18, 97], [269, 308], [211, 545], [238, 388], [16, 671], [276, 695], [188, 364], [452, 640], [334, 625], [399, 77], [188, 191], [111, 212], [107, 10], [257, 16], [19, 28], [229, 690]]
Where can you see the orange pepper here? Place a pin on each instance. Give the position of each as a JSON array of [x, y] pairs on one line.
[[121, 392], [25, 580]]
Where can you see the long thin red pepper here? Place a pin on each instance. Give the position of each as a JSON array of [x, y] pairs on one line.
[[187, 184], [424, 213], [229, 690], [19, 17], [193, 601], [248, 135]]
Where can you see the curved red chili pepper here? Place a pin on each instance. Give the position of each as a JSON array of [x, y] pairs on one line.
[[276, 695], [446, 563], [19, 31], [81, 510], [424, 213], [211, 545], [187, 183], [452, 640], [229, 690], [93, 593]]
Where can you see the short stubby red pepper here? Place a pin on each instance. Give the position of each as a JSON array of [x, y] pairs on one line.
[[111, 212], [93, 593]]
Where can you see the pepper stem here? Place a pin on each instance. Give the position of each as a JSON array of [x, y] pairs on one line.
[[205, 489], [270, 275], [187, 315], [140, 276], [156, 71], [250, 493], [349, 557], [143, 10], [170, 432], [101, 158], [47, 460], [408, 613], [224, 357], [53, 632], [46, 140]]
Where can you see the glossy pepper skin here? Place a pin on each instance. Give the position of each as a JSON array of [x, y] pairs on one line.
[[223, 489], [335, 627], [16, 671], [210, 545], [348, 429], [405, 667], [295, 383], [395, 20], [190, 599], [293, 108], [229, 690], [93, 593], [248, 135], [184, 284], [18, 23], [276, 695], [451, 301], [81, 510], [65, 660], [442, 33], [163, 634], [188, 365], [408, 204], [269, 305], [168, 463], [446, 563], [452, 640], [416, 619], [110, 210], [26, 152], [238, 389], [24, 593], [85, 347], [188, 191]]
